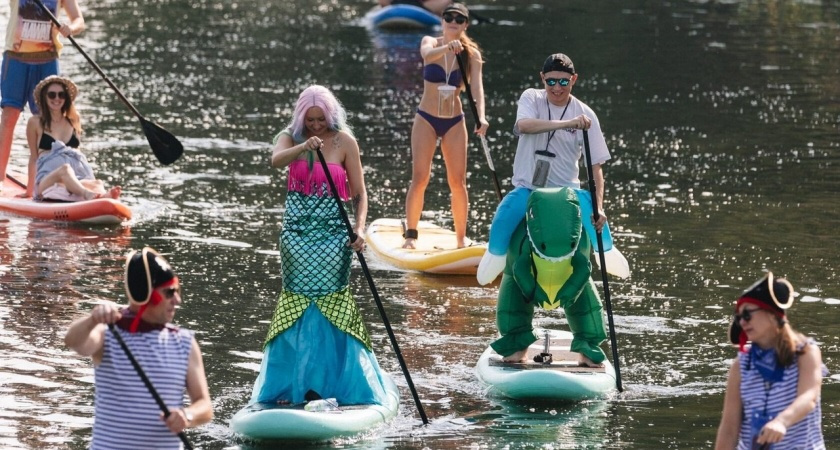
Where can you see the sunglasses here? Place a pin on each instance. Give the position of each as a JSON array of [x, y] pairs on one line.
[[459, 19], [562, 81], [52, 95], [747, 315], [170, 292]]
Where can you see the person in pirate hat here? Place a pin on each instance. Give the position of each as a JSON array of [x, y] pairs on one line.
[[126, 414], [773, 390]]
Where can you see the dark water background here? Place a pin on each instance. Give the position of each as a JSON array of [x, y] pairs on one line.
[[722, 117]]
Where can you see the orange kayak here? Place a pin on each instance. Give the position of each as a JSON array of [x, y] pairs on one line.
[[97, 211]]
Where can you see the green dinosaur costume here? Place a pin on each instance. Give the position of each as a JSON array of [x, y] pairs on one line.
[[548, 265]]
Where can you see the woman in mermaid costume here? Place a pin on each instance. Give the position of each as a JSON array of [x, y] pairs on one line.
[[317, 344]]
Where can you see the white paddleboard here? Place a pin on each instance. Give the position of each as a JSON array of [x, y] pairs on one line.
[[261, 421], [435, 250], [563, 379]]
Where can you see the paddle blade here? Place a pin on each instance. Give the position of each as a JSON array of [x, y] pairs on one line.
[[166, 147]]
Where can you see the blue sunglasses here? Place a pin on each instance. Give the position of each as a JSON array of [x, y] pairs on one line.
[[562, 81]]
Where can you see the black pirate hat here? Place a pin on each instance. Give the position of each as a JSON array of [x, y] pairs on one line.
[[768, 293], [145, 270]]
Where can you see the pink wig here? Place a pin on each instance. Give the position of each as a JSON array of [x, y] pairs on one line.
[[321, 97]]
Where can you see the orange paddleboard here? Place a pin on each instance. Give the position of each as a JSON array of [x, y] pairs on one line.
[[97, 211]]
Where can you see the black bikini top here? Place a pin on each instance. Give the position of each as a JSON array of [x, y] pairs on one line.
[[47, 141]]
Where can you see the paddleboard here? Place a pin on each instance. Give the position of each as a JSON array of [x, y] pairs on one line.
[[561, 380], [98, 211], [401, 17], [260, 421], [435, 250]]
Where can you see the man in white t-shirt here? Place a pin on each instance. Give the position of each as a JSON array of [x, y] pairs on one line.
[[549, 123]]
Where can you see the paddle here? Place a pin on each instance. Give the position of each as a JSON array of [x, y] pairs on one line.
[[146, 380], [166, 147], [600, 240], [478, 124], [373, 290], [16, 181]]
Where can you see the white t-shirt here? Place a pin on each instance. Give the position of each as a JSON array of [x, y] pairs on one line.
[[565, 144]]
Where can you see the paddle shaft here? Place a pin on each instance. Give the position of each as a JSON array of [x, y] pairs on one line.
[[373, 290], [166, 147], [594, 194], [92, 62], [146, 380], [483, 139]]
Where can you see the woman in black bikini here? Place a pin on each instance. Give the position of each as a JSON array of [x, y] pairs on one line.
[[440, 115], [57, 169]]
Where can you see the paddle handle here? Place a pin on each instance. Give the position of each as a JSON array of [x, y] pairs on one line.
[[607, 302], [474, 110], [379, 306], [146, 379], [92, 62]]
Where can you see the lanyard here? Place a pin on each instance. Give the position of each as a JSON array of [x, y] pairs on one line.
[[548, 106]]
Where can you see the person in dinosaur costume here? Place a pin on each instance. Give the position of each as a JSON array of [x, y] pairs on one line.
[[548, 265]]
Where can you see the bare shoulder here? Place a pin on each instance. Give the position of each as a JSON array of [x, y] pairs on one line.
[[811, 352], [34, 122]]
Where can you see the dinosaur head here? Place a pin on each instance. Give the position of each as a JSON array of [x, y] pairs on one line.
[[554, 223]]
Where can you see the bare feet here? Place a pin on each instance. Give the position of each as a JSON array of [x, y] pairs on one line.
[[114, 193], [516, 357], [409, 243], [583, 361]]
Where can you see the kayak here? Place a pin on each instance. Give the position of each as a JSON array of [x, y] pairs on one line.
[[435, 253], [400, 17], [562, 379], [97, 211], [261, 421]]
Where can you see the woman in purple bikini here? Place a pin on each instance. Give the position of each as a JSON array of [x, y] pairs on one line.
[[440, 115]]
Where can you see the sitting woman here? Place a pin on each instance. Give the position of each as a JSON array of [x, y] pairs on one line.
[[57, 169]]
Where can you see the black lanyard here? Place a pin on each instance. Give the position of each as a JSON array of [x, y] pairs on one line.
[[547, 105]]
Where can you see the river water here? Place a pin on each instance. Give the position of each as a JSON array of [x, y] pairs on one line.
[[722, 117]]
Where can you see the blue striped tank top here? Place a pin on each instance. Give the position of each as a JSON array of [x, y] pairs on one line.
[[756, 394], [126, 414]]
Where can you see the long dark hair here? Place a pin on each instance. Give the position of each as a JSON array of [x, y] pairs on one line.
[[470, 48], [68, 110]]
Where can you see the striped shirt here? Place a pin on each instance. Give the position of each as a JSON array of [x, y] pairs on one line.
[[127, 416], [758, 396]]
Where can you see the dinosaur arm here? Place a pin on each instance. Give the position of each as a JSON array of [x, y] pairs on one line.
[[581, 270]]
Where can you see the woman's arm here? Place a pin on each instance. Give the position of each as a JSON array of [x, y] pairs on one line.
[[356, 179], [285, 151], [430, 51], [730, 421], [807, 396], [477, 87], [77, 22], [33, 134]]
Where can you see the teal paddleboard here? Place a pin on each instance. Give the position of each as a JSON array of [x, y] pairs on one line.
[[561, 380], [261, 421]]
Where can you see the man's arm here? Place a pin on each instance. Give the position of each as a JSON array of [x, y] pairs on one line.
[[201, 408], [86, 336]]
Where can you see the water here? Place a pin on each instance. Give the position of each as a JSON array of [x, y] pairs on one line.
[[722, 118]]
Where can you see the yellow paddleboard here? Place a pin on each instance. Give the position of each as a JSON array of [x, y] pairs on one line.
[[435, 252]]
